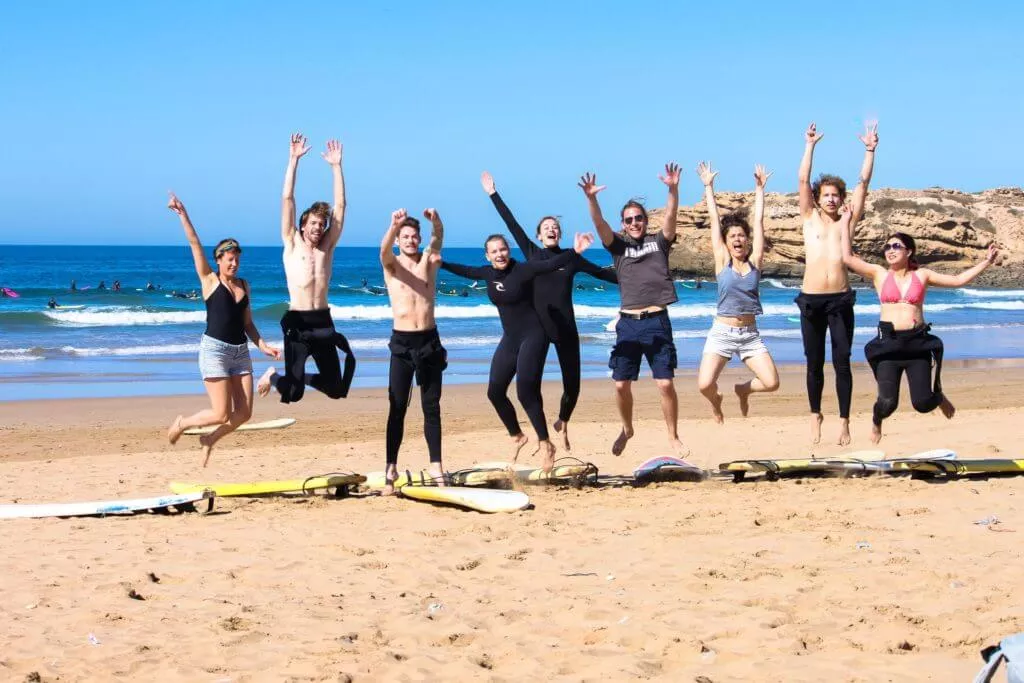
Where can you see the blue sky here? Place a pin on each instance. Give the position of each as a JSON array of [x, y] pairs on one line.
[[105, 106]]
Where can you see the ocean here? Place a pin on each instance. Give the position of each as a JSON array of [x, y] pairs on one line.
[[141, 343]]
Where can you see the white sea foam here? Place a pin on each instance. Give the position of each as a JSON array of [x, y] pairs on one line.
[[994, 293], [124, 317]]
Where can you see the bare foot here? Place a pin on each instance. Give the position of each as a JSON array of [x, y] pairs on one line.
[[876, 433], [436, 472], [716, 408], [620, 443], [204, 441], [678, 448], [563, 429], [266, 381], [743, 392], [947, 408], [175, 430], [844, 432], [816, 420], [390, 475], [548, 454], [517, 445]]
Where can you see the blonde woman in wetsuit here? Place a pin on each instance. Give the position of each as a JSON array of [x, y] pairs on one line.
[[738, 252], [903, 342], [223, 352]]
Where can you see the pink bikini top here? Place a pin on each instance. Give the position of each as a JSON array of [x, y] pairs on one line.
[[891, 294]]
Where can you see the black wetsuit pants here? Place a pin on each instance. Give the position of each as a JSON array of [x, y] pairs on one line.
[[919, 378], [831, 313], [568, 350], [522, 358], [312, 333], [419, 355]]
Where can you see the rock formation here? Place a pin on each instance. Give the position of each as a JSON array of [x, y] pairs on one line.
[[952, 230]]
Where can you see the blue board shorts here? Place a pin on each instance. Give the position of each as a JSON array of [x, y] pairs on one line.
[[650, 338]]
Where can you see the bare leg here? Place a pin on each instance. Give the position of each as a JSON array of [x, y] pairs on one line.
[[766, 379], [436, 471], [624, 401], [218, 413], [518, 441], [670, 411], [267, 381], [844, 432], [563, 429], [816, 420], [390, 475], [947, 408], [876, 433], [547, 450], [241, 411], [711, 366]]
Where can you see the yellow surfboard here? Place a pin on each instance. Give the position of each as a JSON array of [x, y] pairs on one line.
[[773, 469], [528, 474], [257, 488], [966, 468], [481, 500], [279, 423]]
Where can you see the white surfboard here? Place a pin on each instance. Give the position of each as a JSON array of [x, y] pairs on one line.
[[104, 507], [279, 423], [481, 500]]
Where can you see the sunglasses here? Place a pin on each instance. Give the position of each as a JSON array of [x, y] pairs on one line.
[[894, 246], [628, 220]]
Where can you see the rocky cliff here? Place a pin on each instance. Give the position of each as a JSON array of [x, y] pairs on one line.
[[951, 228]]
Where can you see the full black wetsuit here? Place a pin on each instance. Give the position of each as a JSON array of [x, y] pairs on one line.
[[552, 299], [524, 344]]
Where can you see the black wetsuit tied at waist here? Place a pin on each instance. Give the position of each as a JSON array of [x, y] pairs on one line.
[[892, 344], [225, 317], [312, 333]]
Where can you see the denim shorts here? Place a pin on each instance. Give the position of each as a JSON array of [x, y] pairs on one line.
[[220, 359], [650, 338], [727, 341]]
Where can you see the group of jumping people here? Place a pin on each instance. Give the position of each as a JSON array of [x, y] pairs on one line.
[[535, 307]]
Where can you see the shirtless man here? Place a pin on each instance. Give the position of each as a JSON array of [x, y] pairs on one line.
[[646, 288], [308, 258], [826, 300], [415, 345]]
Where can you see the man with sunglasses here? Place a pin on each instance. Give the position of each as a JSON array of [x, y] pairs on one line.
[[826, 300], [308, 260], [646, 288]]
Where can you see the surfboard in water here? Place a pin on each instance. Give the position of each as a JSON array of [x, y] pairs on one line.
[[481, 500], [279, 423], [105, 507], [10, 292]]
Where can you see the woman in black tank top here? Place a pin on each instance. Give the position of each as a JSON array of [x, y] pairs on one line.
[[223, 352]]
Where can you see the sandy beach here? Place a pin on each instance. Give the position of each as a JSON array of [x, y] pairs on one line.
[[686, 582]]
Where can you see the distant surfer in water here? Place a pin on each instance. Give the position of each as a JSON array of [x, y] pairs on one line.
[[223, 351], [904, 342], [826, 300], [552, 298], [308, 259], [646, 289], [74, 287], [416, 349], [738, 251], [52, 303]]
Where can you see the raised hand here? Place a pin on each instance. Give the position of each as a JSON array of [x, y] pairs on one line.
[[333, 153], [993, 253], [706, 175], [761, 176], [672, 174], [811, 136], [487, 181], [588, 183], [432, 215], [398, 216], [582, 242], [298, 146], [870, 137], [175, 205]]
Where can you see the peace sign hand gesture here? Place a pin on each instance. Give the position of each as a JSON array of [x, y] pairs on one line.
[[761, 176], [870, 137], [811, 135]]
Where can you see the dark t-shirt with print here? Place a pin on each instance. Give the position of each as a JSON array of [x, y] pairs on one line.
[[642, 267]]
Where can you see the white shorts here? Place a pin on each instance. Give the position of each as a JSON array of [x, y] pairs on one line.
[[726, 341]]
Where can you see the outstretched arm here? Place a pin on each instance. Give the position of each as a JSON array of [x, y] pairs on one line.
[[860, 193], [202, 265], [588, 183], [591, 268], [671, 179], [850, 259], [707, 176], [468, 272], [333, 157], [761, 175], [940, 280], [811, 138], [387, 245], [296, 150], [581, 243], [436, 231], [518, 234]]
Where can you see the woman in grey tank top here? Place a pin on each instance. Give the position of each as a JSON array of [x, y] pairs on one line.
[[738, 252]]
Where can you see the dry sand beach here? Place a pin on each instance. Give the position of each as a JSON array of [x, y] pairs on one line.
[[685, 582]]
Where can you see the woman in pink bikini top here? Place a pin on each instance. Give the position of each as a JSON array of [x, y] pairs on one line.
[[902, 285]]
